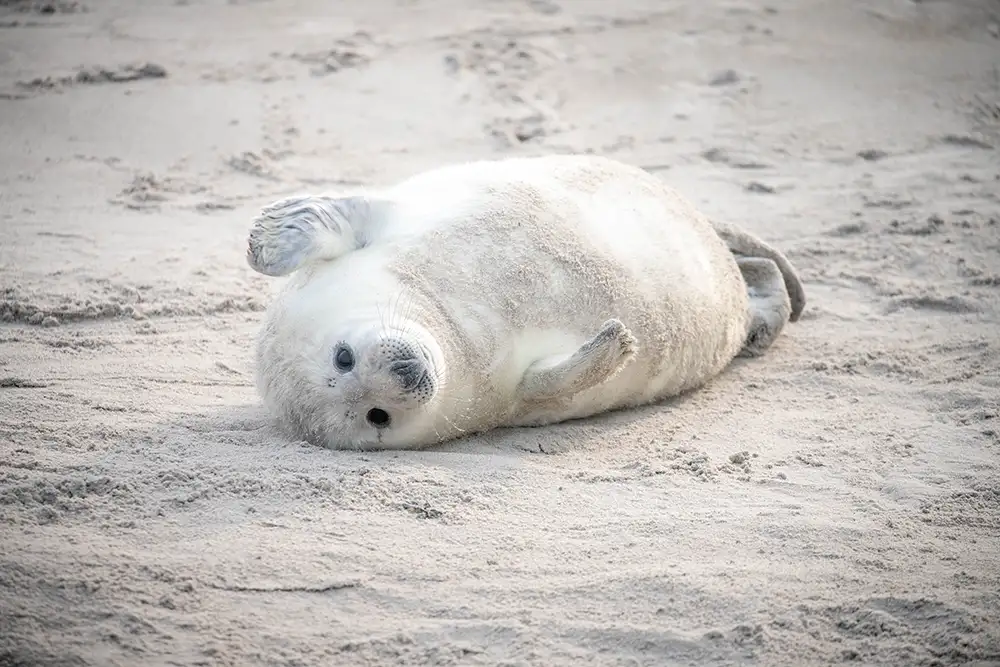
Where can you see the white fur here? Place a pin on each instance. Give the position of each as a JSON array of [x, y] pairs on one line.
[[501, 271]]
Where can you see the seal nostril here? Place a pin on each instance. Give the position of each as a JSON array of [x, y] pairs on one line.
[[378, 418], [410, 372]]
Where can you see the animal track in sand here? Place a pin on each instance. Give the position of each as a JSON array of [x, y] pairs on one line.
[[95, 75], [43, 6], [260, 165], [148, 191], [508, 66], [733, 159], [886, 630], [113, 301], [352, 52]]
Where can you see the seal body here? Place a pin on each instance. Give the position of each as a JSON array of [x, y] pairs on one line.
[[516, 292]]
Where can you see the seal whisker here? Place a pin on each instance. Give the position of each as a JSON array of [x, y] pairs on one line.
[[390, 312], [453, 425], [389, 315], [381, 315], [404, 306], [399, 310], [437, 433], [463, 406]]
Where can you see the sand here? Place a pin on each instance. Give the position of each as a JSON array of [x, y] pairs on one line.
[[837, 500]]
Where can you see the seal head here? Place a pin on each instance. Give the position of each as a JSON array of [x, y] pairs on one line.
[[349, 382]]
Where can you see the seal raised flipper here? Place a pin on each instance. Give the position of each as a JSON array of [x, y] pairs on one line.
[[742, 242], [295, 231], [563, 376]]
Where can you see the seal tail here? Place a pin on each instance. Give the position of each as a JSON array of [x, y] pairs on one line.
[[742, 242]]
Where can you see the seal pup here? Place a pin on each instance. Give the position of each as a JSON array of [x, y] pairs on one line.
[[513, 292]]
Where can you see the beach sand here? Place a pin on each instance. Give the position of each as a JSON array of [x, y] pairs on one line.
[[837, 500]]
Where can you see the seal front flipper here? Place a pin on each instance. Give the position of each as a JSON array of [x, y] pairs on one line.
[[295, 231], [564, 376]]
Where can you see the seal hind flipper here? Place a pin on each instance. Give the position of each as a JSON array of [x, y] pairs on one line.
[[770, 305], [295, 231], [563, 376], [742, 242]]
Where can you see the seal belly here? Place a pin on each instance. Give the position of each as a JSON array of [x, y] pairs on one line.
[[632, 250]]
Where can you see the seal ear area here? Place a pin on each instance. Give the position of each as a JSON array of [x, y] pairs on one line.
[[295, 231]]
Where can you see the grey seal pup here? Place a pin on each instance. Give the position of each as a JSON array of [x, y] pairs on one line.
[[512, 292]]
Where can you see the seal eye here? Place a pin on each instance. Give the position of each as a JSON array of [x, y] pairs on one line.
[[378, 418], [343, 358]]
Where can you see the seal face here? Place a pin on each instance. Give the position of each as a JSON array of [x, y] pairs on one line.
[[347, 382], [499, 293], [404, 373]]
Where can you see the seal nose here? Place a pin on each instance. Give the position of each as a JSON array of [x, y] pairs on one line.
[[409, 372]]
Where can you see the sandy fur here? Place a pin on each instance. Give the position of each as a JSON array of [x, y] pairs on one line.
[[488, 258]]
